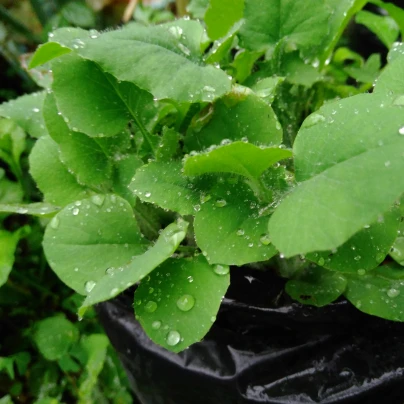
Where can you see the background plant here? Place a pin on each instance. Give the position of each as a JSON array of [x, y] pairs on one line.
[[163, 155]]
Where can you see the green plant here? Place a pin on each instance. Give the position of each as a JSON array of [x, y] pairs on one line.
[[164, 157]]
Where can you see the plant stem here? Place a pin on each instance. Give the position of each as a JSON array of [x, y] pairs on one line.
[[181, 7]]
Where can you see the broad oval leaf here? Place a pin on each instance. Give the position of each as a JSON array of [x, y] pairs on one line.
[[379, 293], [240, 115], [316, 286], [121, 277], [177, 317], [229, 229], [237, 158], [89, 236]]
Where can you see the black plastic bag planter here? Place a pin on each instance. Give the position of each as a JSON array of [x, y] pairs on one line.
[[264, 348]]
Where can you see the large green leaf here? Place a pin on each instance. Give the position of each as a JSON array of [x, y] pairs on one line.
[[312, 26], [391, 81], [240, 115], [88, 237], [228, 226], [379, 293], [163, 184], [26, 111], [54, 336], [54, 180], [351, 165], [237, 158], [365, 250], [178, 317], [221, 15], [316, 286], [165, 60], [84, 157], [121, 277]]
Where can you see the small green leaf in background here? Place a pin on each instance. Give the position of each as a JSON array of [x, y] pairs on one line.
[[117, 279], [47, 52], [221, 15], [58, 185], [26, 111], [368, 72], [365, 250], [237, 158], [228, 226], [384, 27], [379, 292], [90, 236], [178, 317], [163, 183], [54, 336], [12, 144], [169, 144], [266, 88], [95, 346], [394, 11], [197, 8], [316, 286], [10, 191], [240, 115], [82, 155], [79, 13]]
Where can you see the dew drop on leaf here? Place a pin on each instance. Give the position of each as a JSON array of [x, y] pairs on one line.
[[361, 272], [75, 211], [186, 302], [314, 119], [173, 338], [321, 262], [240, 232], [55, 223], [220, 203], [98, 199], [89, 286], [264, 239], [150, 306], [147, 194], [393, 292], [221, 269], [156, 325], [401, 130]]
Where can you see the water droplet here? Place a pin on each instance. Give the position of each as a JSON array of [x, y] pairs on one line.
[[197, 208], [184, 49], [220, 203], [264, 239], [357, 258], [35, 109], [75, 211], [251, 245], [240, 232], [401, 130], [173, 338], [205, 198], [313, 119], [156, 325], [387, 164], [190, 279], [55, 223], [110, 271], [221, 269], [98, 199], [213, 319], [321, 262], [186, 302], [147, 194], [361, 272], [76, 270], [89, 286], [380, 257], [114, 291], [393, 292], [150, 306]]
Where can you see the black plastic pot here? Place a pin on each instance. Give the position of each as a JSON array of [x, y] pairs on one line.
[[264, 348]]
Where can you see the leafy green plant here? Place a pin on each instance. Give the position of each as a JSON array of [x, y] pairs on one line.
[[168, 153]]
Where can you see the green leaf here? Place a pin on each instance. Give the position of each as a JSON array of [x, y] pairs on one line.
[[367, 73], [313, 27], [169, 144], [26, 111], [237, 158], [54, 180], [197, 8], [397, 250], [35, 209], [8, 242], [266, 88], [177, 317], [79, 13], [125, 169], [316, 286], [239, 115], [243, 63], [221, 15], [123, 277], [89, 236], [384, 27], [10, 191], [365, 250], [54, 336], [95, 346], [394, 11], [7, 365], [84, 157], [228, 226], [47, 52], [380, 292], [12, 143], [6, 399], [165, 59], [163, 184], [391, 82], [331, 205]]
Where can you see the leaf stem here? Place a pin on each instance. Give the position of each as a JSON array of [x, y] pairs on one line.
[[181, 6]]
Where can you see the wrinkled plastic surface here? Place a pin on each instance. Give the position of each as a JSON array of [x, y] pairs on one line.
[[265, 348]]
